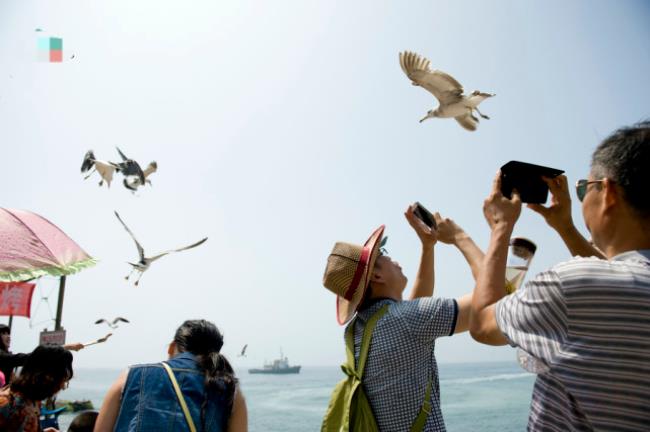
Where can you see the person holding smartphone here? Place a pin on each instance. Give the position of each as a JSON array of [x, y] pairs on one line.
[[586, 321], [400, 377]]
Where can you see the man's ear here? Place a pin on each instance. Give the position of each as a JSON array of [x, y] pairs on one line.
[[612, 194]]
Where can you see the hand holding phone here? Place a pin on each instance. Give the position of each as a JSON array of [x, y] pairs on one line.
[[425, 215], [527, 179]]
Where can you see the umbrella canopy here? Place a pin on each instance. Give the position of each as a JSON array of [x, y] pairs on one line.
[[31, 246]]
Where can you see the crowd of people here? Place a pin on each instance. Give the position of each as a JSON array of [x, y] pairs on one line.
[[195, 389], [585, 322]]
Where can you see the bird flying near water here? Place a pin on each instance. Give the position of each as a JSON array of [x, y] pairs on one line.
[[144, 262], [448, 91]]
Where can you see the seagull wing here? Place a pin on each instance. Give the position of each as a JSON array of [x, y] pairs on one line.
[[118, 319], [89, 160], [122, 155], [243, 350], [162, 254], [151, 168], [102, 320], [467, 122], [140, 249], [443, 86], [477, 97]]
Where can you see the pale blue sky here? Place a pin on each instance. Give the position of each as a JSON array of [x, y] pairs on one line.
[[281, 127]]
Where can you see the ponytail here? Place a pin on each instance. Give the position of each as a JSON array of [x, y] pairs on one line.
[[203, 339]]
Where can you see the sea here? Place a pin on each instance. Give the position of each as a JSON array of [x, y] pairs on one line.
[[475, 396]]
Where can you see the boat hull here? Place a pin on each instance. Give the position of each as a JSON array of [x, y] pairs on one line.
[[283, 371]]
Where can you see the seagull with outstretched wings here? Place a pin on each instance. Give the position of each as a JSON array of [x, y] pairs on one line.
[[448, 91], [112, 324], [129, 168], [105, 169], [145, 262]]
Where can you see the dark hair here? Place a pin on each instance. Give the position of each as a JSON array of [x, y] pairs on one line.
[[203, 339], [4, 329], [84, 422], [45, 370], [624, 157]]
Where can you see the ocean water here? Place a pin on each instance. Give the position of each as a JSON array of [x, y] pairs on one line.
[[475, 396]]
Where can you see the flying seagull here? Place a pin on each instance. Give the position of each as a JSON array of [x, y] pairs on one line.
[[104, 168], [134, 182], [243, 351], [112, 324], [128, 167], [145, 262], [448, 91]]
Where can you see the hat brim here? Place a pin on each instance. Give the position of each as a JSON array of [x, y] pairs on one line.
[[345, 309]]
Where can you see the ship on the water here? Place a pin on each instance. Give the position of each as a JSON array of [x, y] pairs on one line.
[[278, 366]]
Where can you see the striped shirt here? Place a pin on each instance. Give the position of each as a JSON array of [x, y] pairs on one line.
[[588, 322], [401, 360]]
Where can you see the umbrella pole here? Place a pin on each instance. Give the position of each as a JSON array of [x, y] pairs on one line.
[[59, 306], [11, 320]]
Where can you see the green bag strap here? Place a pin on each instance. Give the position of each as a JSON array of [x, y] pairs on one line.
[[365, 344], [425, 410]]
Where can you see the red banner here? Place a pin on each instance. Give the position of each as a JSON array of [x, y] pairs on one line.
[[16, 298]]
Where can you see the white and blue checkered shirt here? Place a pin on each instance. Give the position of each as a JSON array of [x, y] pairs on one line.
[[401, 359], [588, 322]]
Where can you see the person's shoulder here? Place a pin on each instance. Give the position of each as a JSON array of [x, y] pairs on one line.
[[580, 265]]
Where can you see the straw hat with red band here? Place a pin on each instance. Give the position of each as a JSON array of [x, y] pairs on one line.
[[348, 271]]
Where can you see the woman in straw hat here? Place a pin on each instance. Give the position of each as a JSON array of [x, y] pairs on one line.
[[401, 366]]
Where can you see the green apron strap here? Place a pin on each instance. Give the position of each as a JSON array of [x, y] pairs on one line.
[[425, 410]]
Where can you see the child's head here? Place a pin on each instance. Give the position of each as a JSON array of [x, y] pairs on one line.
[[84, 422]]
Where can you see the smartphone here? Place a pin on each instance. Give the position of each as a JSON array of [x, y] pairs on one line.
[[527, 179], [425, 215]]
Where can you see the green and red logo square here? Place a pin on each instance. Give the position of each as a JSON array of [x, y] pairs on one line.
[[50, 49]]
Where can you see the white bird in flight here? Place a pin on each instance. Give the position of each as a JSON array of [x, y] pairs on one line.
[[145, 262], [105, 169], [448, 91], [112, 324]]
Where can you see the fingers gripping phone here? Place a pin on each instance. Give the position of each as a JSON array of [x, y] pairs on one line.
[[425, 215]]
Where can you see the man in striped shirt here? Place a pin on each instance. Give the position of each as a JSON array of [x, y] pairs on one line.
[[586, 322]]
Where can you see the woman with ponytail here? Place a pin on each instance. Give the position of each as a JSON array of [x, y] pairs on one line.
[[195, 390]]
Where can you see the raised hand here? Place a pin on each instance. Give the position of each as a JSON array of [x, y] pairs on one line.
[[428, 236], [558, 213], [498, 209], [448, 231]]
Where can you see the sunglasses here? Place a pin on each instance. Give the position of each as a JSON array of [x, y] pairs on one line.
[[582, 187]]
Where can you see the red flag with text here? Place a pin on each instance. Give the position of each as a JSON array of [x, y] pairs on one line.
[[16, 298]]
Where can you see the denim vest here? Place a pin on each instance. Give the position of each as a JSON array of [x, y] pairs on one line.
[[150, 404]]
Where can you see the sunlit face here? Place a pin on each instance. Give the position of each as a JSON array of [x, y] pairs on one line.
[[389, 273], [6, 339]]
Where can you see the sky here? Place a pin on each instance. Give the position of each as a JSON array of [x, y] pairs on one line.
[[280, 128]]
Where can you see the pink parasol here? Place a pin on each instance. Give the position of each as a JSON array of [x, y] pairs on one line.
[[31, 246]]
